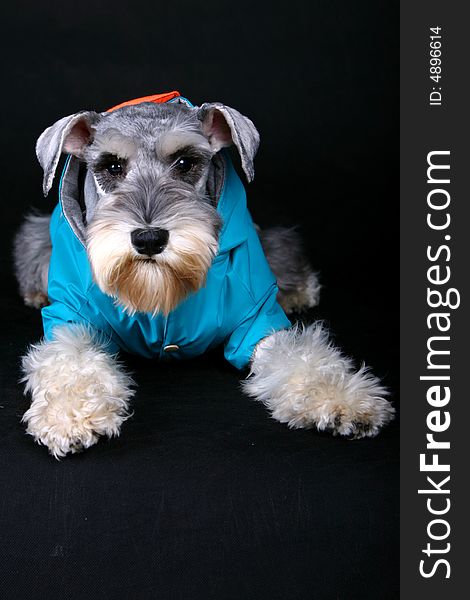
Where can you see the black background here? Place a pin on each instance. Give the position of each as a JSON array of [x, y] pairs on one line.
[[203, 496]]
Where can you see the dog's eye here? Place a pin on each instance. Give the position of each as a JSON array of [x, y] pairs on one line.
[[114, 169], [184, 164]]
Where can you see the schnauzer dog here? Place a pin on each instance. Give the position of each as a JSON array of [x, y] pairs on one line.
[[152, 250]]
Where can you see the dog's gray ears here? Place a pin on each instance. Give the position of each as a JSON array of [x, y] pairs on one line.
[[224, 126], [71, 135]]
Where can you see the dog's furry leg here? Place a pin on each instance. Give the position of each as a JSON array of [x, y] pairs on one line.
[[31, 255], [305, 382], [79, 392], [297, 282]]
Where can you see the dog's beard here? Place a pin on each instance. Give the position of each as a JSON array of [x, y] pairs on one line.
[[151, 285]]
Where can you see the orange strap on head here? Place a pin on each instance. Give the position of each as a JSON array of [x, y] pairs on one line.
[[158, 98]]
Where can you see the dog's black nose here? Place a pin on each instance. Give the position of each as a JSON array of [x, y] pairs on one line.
[[149, 241]]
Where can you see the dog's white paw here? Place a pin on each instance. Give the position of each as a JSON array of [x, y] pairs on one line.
[[79, 392], [302, 297], [353, 406], [305, 382], [36, 299]]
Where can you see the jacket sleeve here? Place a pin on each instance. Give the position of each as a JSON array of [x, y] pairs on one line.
[[266, 317], [68, 282], [59, 314]]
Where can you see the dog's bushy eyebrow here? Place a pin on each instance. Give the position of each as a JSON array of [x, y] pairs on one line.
[[174, 141], [114, 142]]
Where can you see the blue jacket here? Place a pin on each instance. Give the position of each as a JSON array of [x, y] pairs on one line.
[[237, 307]]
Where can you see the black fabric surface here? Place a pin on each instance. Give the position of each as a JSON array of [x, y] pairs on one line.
[[204, 496]]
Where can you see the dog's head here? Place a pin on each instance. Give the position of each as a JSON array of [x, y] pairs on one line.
[[154, 228]]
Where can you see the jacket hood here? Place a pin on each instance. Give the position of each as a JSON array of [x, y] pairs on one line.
[[78, 196]]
